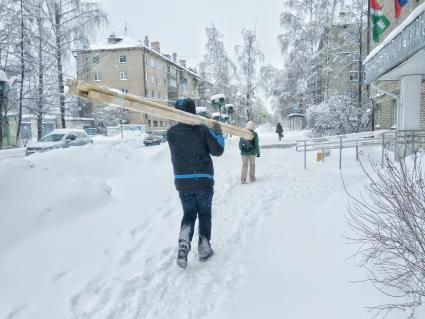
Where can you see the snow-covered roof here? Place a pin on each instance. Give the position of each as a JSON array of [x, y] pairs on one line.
[[296, 114], [201, 109], [66, 130], [70, 118], [415, 13], [124, 42], [217, 114], [217, 97]]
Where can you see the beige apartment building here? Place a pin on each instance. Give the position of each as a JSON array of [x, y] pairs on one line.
[[342, 59], [395, 69], [136, 68]]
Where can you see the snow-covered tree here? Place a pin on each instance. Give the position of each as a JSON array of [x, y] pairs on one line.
[[72, 22], [36, 39], [216, 64], [106, 115], [322, 45], [337, 115], [248, 57], [217, 68]]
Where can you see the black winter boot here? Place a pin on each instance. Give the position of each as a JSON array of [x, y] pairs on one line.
[[204, 249], [184, 248]]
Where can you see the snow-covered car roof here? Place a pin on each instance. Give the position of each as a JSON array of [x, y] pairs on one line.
[[67, 131]]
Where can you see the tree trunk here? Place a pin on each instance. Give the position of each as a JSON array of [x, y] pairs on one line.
[[40, 80], [1, 120], [58, 19], [22, 66]]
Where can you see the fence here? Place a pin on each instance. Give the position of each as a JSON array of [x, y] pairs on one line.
[[401, 143]]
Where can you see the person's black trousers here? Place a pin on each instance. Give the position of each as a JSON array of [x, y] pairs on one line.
[[196, 204]]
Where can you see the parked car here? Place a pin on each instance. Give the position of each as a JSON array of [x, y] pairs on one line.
[[161, 134], [155, 138], [59, 138], [152, 140]]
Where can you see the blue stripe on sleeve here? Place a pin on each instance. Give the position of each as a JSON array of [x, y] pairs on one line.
[[188, 176], [219, 138]]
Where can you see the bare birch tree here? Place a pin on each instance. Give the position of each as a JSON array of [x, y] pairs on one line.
[[73, 23], [248, 57]]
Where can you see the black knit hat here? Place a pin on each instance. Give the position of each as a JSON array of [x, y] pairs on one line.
[[187, 105]]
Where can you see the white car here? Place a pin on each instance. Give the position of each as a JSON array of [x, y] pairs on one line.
[[60, 138]]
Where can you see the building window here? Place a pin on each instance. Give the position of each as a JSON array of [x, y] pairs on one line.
[[123, 59], [155, 123], [146, 76], [96, 59], [149, 123], [172, 83], [97, 76], [146, 60], [159, 95], [124, 90], [123, 76], [354, 76], [394, 114], [153, 93], [165, 82], [378, 114]]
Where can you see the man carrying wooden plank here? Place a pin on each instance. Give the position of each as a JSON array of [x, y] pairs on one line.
[[191, 148]]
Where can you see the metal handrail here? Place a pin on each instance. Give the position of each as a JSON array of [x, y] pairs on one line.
[[405, 142]]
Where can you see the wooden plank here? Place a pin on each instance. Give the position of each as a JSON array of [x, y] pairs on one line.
[[135, 103]]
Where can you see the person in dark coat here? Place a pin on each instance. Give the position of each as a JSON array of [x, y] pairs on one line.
[[191, 147], [279, 130]]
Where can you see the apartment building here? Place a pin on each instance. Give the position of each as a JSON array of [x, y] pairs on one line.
[[138, 68], [395, 68]]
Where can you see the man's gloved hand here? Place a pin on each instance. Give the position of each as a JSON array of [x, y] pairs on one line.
[[217, 128]]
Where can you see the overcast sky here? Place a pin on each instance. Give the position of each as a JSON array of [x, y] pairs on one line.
[[180, 24]]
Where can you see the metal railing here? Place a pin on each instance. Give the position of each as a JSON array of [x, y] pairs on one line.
[[401, 143]]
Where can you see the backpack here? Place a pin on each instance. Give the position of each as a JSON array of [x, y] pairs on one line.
[[246, 145]]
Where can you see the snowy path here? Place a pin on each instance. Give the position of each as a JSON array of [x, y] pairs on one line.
[[108, 251]]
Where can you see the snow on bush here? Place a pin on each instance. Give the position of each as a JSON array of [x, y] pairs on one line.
[[337, 115]]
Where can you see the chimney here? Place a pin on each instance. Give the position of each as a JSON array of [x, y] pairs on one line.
[[146, 42], [175, 57], [182, 63], [156, 46]]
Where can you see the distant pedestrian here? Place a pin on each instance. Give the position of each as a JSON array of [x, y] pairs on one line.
[[191, 147], [249, 150], [279, 130]]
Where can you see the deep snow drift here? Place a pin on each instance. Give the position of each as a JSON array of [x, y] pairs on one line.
[[91, 232]]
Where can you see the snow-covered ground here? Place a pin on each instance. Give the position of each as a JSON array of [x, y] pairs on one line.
[[91, 232]]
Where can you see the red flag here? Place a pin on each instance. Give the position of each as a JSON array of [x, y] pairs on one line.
[[398, 4], [397, 8], [375, 5]]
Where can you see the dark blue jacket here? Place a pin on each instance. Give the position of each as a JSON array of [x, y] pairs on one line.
[[191, 148]]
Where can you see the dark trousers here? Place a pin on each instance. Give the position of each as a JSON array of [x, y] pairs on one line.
[[196, 204]]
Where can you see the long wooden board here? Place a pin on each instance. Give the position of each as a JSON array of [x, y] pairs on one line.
[[136, 103]]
